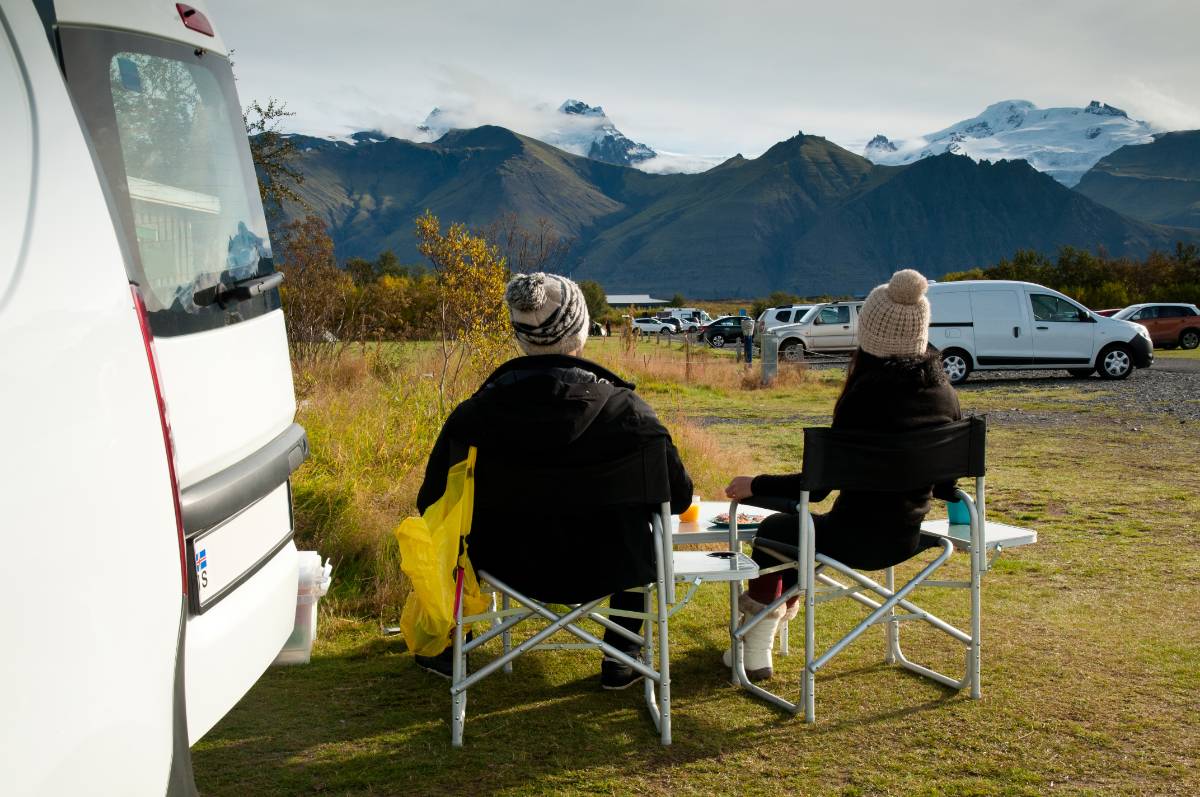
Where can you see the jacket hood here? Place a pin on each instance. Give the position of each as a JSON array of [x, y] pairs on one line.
[[544, 401]]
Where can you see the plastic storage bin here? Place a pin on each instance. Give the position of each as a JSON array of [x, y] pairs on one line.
[[312, 585]]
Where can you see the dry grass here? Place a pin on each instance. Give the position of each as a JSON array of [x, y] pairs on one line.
[[372, 416]]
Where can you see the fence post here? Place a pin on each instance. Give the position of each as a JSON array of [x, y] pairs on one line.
[[769, 360]]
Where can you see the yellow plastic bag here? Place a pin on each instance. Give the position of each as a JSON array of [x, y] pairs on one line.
[[429, 556]]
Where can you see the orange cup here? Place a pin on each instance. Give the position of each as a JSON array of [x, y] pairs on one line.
[[691, 514]]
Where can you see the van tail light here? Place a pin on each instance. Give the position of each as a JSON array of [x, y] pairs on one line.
[[194, 20], [168, 440]]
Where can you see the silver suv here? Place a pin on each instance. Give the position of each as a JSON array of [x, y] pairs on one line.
[[825, 328]]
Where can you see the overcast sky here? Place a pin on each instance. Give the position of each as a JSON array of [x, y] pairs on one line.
[[706, 77]]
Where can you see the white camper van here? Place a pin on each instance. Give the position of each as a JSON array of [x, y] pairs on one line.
[[147, 573], [690, 318], [991, 325]]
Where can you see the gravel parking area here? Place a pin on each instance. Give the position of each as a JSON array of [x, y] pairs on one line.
[[1170, 387]]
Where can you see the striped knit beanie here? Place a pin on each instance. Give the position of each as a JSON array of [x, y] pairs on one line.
[[894, 321], [548, 313]]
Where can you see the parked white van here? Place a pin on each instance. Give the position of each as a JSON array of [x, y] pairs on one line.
[[690, 318], [991, 325], [147, 573], [831, 327]]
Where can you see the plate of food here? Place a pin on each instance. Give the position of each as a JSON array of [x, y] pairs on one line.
[[745, 520]]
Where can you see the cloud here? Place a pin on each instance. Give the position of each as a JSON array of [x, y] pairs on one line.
[[1161, 109], [674, 163]]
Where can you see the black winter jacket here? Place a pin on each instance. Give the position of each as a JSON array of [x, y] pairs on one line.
[[534, 413], [894, 395]]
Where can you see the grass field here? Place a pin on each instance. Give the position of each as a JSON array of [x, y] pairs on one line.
[[1091, 649], [1186, 354]]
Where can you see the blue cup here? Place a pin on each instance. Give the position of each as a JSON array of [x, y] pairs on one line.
[[958, 512]]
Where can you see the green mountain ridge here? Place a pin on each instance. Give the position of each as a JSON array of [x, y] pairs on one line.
[[806, 216], [1157, 182]]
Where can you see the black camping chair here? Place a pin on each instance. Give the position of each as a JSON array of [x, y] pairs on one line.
[[561, 491], [851, 460]]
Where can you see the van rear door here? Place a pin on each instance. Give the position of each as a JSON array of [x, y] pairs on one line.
[[1001, 327], [169, 138]]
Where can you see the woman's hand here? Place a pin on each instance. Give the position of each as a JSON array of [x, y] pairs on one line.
[[739, 489]]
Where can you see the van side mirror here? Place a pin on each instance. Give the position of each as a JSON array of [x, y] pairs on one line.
[[1084, 315]]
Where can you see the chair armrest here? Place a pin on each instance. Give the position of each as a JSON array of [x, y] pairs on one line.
[[774, 503]]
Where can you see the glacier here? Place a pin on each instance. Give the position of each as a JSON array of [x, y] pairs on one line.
[[1062, 142]]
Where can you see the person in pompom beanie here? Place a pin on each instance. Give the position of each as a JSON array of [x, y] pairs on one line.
[[553, 408], [894, 383]]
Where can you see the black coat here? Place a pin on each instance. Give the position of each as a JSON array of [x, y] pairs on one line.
[[538, 412], [871, 530]]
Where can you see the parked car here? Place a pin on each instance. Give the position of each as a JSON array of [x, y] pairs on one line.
[[1171, 324], [774, 317], [826, 328], [149, 575], [651, 326], [726, 329], [675, 324], [998, 325]]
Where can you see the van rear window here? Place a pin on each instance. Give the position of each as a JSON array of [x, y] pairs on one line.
[[168, 132]]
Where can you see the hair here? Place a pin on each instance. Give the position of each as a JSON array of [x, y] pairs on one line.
[[897, 373]]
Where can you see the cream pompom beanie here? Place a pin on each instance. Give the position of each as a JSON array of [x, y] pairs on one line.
[[894, 321]]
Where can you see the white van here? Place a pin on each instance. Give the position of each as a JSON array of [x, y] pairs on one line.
[[690, 318], [826, 328], [990, 325], [147, 571]]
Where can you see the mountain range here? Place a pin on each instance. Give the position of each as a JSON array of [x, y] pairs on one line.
[[807, 216], [1062, 142]]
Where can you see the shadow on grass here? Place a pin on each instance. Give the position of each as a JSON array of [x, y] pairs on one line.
[[367, 720]]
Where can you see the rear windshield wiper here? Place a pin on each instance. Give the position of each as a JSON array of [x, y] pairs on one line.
[[237, 291]]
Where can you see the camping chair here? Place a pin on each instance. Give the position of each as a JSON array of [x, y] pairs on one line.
[[564, 490], [847, 460]]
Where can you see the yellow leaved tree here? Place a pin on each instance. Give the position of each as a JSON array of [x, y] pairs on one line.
[[473, 326]]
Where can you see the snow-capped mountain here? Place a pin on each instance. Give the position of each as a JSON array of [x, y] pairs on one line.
[[1062, 142], [597, 137], [575, 127]]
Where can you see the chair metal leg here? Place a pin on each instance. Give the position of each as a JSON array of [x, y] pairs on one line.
[[974, 662], [891, 631], [648, 654], [810, 631], [506, 637], [458, 699], [735, 644], [664, 656], [784, 648]]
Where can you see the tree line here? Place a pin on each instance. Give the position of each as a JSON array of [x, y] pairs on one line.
[[1099, 281]]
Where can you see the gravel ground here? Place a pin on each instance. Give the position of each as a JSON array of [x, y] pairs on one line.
[[1170, 387]]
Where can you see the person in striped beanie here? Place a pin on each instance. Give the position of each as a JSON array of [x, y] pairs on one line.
[[548, 313], [552, 409]]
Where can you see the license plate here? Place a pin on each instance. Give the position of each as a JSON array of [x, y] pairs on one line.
[[226, 555]]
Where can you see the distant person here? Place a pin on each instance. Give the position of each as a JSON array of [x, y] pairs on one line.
[[548, 408], [748, 337], [608, 328], [895, 383]]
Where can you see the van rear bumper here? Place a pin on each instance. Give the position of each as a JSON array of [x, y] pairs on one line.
[[1143, 351], [229, 647]]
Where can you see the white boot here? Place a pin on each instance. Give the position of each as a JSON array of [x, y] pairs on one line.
[[759, 641]]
